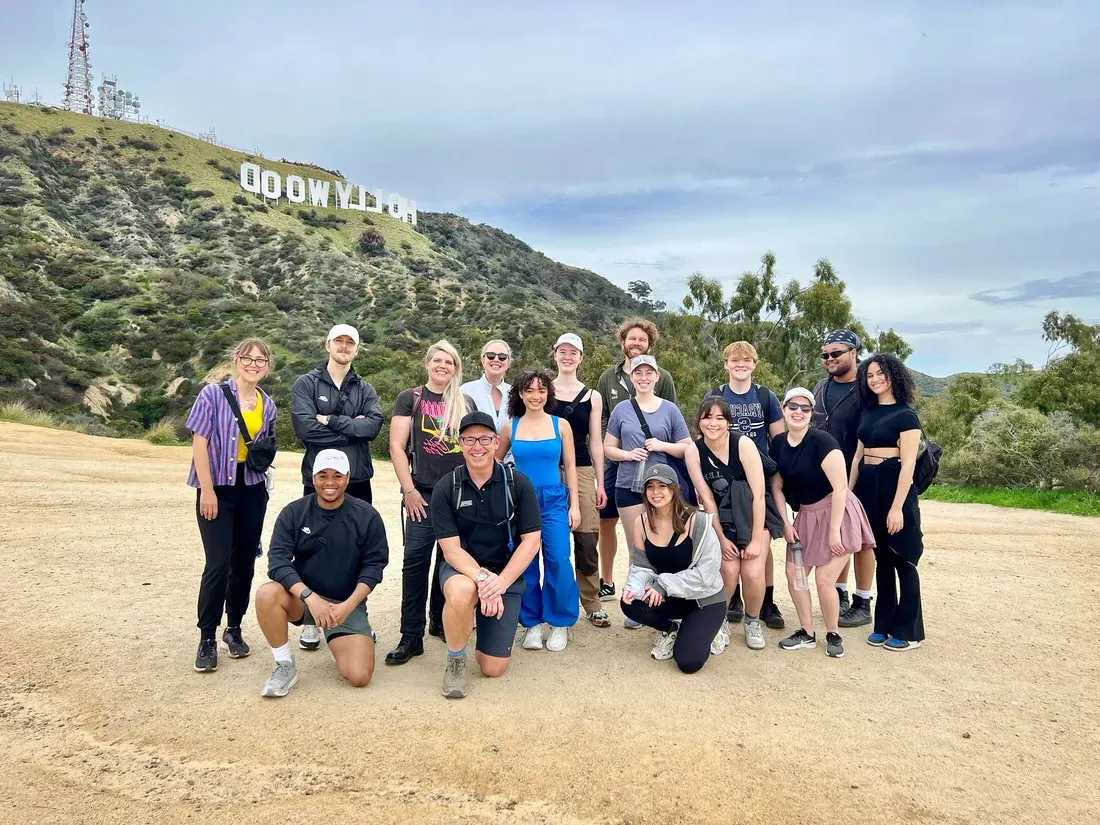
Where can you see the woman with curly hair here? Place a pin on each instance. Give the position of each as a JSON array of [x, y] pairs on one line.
[[541, 445], [882, 478]]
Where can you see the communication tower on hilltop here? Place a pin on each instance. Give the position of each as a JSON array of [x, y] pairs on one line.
[[12, 93], [115, 102], [78, 81]]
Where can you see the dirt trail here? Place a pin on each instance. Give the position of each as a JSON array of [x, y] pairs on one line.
[[102, 719]]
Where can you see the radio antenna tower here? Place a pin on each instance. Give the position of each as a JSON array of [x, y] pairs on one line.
[[78, 81]]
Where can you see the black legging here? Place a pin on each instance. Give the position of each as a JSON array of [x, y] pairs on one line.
[[698, 626]]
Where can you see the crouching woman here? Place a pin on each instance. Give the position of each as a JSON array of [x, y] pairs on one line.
[[674, 583]]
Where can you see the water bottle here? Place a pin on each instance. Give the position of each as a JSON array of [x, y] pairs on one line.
[[800, 580], [638, 484]]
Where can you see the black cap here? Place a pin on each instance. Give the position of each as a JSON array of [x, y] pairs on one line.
[[474, 419]]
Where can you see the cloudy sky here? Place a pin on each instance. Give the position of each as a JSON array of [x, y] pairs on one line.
[[944, 154]]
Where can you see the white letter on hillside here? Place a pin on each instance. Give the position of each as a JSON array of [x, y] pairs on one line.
[[362, 204], [271, 185], [250, 178], [295, 189], [412, 212], [318, 192], [378, 195], [343, 194]]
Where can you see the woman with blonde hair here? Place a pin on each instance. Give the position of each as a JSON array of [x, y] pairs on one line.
[[228, 473], [424, 448]]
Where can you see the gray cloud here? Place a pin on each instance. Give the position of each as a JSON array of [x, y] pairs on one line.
[[1085, 285]]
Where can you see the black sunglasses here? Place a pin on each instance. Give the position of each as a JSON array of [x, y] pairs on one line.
[[496, 356], [836, 353], [790, 405]]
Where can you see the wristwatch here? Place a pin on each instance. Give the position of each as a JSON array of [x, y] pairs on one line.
[[306, 594], [480, 577]]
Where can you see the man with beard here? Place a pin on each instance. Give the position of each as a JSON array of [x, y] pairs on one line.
[[637, 336], [837, 412], [331, 406]]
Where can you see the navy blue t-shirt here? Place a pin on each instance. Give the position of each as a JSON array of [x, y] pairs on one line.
[[748, 413]]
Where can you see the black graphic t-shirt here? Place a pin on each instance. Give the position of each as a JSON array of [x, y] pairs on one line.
[[436, 453]]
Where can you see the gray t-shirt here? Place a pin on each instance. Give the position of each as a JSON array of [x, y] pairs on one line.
[[666, 424]]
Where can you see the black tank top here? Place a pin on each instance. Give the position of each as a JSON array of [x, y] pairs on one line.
[[672, 557], [577, 414], [713, 468]]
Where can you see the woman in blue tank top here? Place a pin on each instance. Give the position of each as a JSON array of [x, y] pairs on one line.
[[542, 445]]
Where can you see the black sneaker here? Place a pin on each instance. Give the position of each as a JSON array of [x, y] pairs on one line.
[[736, 610], [834, 645], [858, 614], [435, 629], [607, 591], [798, 640], [231, 638], [408, 647], [772, 617], [845, 605], [206, 660]]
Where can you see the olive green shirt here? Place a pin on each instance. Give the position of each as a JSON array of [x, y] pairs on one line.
[[614, 387]]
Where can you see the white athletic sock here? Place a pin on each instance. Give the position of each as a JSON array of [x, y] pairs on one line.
[[863, 594], [843, 588], [282, 654]]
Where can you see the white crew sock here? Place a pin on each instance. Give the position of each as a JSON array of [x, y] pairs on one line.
[[863, 594], [843, 588], [282, 654]]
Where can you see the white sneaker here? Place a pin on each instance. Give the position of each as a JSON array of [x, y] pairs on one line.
[[666, 640], [754, 635], [721, 640], [310, 638], [559, 638], [532, 639]]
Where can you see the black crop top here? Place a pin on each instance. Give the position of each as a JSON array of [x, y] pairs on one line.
[[880, 426], [804, 482]]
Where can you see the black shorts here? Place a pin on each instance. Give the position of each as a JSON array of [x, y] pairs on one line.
[[610, 471], [495, 635], [625, 497]]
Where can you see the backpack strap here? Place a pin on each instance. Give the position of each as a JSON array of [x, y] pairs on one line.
[[410, 448], [764, 396], [457, 477], [236, 408]]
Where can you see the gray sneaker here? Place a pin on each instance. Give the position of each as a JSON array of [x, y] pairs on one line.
[[754, 634], [454, 677], [834, 645], [281, 680], [310, 638]]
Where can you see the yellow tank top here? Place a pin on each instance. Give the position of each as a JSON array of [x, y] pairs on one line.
[[254, 421]]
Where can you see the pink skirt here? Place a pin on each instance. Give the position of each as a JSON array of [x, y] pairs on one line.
[[812, 525]]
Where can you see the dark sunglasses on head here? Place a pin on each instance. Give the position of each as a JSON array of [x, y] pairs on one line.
[[803, 407], [836, 353], [496, 356]]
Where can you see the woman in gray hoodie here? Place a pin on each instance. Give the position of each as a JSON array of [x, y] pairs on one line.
[[674, 583]]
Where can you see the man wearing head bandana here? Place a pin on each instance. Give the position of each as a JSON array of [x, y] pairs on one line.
[[837, 412]]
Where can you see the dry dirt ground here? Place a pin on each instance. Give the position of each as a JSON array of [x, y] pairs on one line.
[[102, 719]]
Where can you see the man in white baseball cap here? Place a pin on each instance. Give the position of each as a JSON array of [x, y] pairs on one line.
[[326, 590]]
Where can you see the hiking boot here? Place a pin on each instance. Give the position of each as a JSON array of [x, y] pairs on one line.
[[798, 640], [607, 591], [206, 660], [435, 629], [845, 604], [532, 639], [454, 677], [858, 614], [721, 640], [736, 610], [310, 638], [408, 647], [834, 646], [281, 680], [754, 635], [234, 644], [772, 617], [878, 639], [666, 640], [894, 643]]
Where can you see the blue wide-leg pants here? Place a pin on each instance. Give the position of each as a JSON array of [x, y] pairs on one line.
[[554, 599]]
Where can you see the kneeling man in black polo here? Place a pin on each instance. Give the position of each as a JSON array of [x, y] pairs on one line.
[[487, 522]]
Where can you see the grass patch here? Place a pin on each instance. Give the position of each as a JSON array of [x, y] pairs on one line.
[[19, 412], [1055, 501], [164, 433]]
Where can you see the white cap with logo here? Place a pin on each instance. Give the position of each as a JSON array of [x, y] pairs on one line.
[[343, 329], [799, 392], [570, 338], [332, 460]]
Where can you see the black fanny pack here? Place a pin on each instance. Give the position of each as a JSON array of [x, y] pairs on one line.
[[261, 452]]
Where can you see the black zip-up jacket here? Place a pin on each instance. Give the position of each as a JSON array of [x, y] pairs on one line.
[[352, 549], [314, 394], [842, 422]]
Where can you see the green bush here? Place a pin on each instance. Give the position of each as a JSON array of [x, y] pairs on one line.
[[164, 432], [19, 412]]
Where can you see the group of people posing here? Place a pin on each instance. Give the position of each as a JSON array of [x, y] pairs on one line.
[[496, 476]]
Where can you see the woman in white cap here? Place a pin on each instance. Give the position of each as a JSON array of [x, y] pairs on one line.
[[582, 408], [628, 444], [830, 523], [674, 583]]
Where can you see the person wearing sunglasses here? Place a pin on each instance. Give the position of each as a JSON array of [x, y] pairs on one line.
[[837, 410], [490, 391], [231, 496], [882, 478], [728, 474], [542, 445], [830, 523]]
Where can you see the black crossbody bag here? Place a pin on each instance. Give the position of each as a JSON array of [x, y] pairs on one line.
[[261, 452]]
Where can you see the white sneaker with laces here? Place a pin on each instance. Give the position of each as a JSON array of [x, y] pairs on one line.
[[721, 640], [310, 638], [666, 640], [754, 635], [559, 638], [532, 639]]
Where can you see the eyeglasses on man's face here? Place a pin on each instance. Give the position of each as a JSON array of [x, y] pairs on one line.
[[836, 353], [249, 361], [471, 440], [496, 356]]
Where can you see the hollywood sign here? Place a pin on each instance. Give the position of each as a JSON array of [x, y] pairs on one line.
[[297, 189]]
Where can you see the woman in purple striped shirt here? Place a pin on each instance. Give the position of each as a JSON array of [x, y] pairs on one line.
[[231, 499]]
